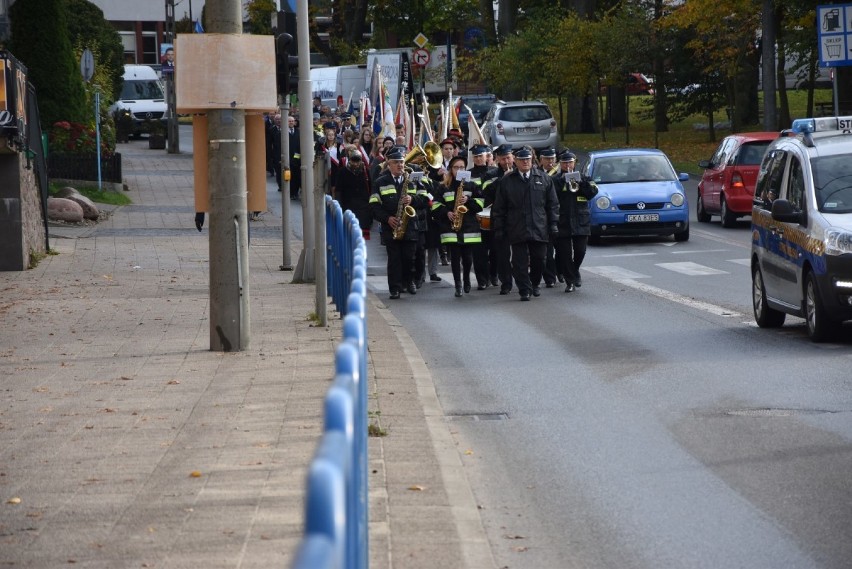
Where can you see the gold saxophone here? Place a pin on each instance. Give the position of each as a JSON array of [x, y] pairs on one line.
[[403, 212], [459, 209]]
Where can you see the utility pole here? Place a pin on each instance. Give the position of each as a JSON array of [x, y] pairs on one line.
[[305, 269], [770, 121], [226, 172]]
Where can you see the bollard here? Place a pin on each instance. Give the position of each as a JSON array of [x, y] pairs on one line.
[[340, 416], [325, 506]]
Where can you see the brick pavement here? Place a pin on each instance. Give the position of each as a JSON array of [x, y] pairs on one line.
[[111, 401]]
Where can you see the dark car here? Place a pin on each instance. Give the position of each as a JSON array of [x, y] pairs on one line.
[[727, 186], [479, 105]]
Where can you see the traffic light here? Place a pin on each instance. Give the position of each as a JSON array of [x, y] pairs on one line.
[[286, 65]]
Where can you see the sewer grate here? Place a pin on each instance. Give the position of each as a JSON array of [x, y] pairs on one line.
[[477, 416]]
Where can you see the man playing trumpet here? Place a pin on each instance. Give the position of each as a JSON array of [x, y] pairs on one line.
[[574, 220]]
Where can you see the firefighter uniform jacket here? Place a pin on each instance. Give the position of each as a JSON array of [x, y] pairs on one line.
[[574, 215], [385, 202], [525, 210], [445, 201]]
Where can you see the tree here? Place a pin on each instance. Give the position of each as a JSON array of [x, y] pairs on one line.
[[40, 40], [87, 28], [260, 14]]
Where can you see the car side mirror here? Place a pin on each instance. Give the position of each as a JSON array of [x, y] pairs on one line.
[[705, 164], [683, 177], [782, 210]]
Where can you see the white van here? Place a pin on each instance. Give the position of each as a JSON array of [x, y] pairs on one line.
[[328, 83], [143, 96]]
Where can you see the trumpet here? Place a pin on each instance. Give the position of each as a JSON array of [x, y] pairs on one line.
[[572, 179]]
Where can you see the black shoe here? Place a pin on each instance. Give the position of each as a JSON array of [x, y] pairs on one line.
[[481, 287], [525, 296], [444, 260], [412, 288], [548, 285], [434, 278], [279, 189], [505, 290], [494, 282], [458, 291], [560, 278], [394, 295], [466, 288], [569, 287], [578, 282], [420, 282], [536, 291]]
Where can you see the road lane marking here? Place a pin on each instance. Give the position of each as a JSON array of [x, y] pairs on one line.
[[692, 252], [744, 262], [613, 272], [625, 255], [679, 299], [691, 269]]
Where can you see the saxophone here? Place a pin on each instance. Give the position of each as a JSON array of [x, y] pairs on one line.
[[459, 209], [403, 212]]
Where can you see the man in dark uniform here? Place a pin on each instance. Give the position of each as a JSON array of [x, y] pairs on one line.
[[526, 214], [500, 252], [574, 221], [388, 191], [482, 176], [295, 158], [547, 164]]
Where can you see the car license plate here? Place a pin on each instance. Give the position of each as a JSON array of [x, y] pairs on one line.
[[643, 217], [528, 130]]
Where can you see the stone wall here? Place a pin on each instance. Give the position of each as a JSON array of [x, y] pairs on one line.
[[22, 227]]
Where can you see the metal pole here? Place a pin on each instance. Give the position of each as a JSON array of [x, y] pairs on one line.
[[320, 259], [98, 130], [226, 172], [306, 140], [284, 111]]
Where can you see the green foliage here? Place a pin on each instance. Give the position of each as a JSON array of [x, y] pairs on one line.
[[40, 40], [77, 138], [87, 28], [260, 16], [94, 194]]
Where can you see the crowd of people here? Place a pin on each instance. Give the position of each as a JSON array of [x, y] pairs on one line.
[[509, 220]]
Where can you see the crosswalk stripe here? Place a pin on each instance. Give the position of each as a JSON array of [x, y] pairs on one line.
[[744, 262], [614, 272], [691, 269]]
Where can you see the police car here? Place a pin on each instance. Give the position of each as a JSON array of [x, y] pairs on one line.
[[801, 261]]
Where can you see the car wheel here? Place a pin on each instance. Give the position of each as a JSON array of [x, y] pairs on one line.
[[702, 214], [765, 316], [682, 236], [729, 218], [820, 327]]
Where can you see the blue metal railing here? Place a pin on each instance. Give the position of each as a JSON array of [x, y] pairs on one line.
[[336, 507]]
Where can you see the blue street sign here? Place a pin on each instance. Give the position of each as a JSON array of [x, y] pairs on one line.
[[834, 27]]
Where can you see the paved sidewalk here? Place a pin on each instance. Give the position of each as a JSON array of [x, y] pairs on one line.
[[125, 442]]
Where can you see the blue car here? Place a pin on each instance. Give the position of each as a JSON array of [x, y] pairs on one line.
[[639, 193]]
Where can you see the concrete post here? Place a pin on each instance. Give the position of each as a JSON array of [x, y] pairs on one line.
[[305, 268], [226, 172], [284, 111]]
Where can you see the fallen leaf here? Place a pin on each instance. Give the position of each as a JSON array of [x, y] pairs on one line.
[[14, 500], [125, 378], [417, 488], [514, 537], [520, 549], [173, 381], [468, 452], [195, 474]]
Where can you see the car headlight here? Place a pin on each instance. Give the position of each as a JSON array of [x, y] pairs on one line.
[[838, 242], [677, 200], [602, 202]]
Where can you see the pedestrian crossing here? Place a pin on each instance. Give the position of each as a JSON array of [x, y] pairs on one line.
[[688, 268]]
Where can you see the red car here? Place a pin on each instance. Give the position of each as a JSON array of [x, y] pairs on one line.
[[727, 186]]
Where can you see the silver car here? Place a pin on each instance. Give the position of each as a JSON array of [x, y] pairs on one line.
[[521, 123]]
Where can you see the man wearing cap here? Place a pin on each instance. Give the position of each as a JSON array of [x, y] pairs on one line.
[[500, 252], [574, 221], [547, 163], [388, 191], [526, 214], [482, 176]]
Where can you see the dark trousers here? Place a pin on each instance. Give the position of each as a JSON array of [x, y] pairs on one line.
[[420, 258], [400, 263], [528, 264], [550, 268], [488, 254], [504, 264], [570, 252], [461, 260]]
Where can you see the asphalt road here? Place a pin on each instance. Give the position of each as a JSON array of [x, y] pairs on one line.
[[643, 421]]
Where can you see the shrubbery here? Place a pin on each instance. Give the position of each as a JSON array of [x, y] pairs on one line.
[[75, 138]]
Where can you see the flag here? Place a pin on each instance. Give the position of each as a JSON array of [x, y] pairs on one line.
[[365, 110], [198, 28], [401, 117], [388, 126], [378, 109]]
